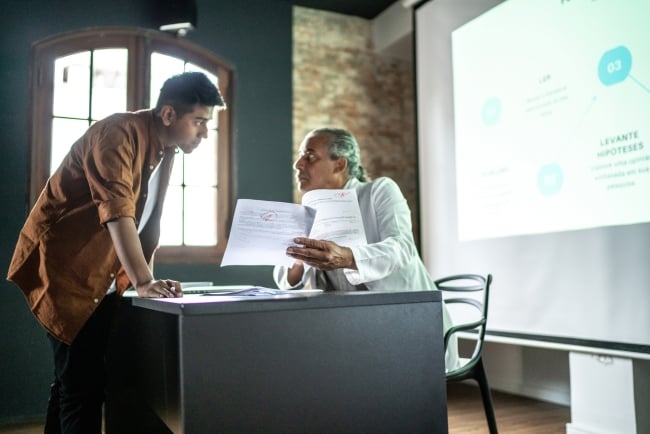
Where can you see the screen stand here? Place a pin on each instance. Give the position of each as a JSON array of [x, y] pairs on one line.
[[608, 394]]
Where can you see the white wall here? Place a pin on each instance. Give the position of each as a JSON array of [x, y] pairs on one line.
[[392, 32], [533, 372]]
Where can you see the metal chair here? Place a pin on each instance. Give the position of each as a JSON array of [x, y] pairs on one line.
[[474, 320]]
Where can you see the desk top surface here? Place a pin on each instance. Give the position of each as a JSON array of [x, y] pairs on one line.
[[195, 304]]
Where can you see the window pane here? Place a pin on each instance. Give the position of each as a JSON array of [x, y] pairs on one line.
[[72, 85], [64, 133], [109, 82], [200, 165], [200, 216], [162, 67], [171, 223]]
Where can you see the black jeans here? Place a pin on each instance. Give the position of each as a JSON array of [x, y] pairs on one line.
[[78, 391]]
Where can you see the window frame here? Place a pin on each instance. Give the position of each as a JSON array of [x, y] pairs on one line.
[[140, 44]]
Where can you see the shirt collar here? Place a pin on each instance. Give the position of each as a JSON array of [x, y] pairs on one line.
[[351, 183]]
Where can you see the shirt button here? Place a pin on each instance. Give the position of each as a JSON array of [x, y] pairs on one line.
[[160, 153], [112, 275], [151, 167], [96, 300]]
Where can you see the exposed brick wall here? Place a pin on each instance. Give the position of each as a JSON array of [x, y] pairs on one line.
[[338, 81]]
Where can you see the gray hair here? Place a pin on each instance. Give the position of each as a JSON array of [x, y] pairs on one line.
[[343, 144]]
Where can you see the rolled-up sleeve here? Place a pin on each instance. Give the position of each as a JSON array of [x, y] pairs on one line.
[[388, 216], [110, 174]]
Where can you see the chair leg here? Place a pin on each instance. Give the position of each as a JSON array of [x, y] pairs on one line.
[[481, 378]]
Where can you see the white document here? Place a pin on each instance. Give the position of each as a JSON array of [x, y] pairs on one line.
[[262, 230], [338, 217]]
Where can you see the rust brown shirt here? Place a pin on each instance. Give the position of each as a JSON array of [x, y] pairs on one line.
[[64, 260]]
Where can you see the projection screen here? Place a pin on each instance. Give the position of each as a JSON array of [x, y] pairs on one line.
[[534, 161]]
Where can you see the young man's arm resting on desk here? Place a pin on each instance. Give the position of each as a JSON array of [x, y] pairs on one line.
[[129, 250]]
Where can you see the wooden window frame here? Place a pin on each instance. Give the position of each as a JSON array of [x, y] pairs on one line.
[[140, 44]]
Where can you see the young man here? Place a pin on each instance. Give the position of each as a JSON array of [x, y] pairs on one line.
[[92, 234]]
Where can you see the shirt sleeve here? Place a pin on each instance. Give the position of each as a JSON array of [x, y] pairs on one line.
[[109, 167], [389, 215]]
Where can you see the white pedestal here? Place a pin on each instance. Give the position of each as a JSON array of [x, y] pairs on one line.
[[608, 394]]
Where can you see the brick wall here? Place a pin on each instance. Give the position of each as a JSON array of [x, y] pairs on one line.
[[338, 81]]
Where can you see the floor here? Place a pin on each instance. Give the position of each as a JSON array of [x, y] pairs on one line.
[[515, 414]]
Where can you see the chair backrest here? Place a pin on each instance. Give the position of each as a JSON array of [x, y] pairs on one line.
[[452, 287]]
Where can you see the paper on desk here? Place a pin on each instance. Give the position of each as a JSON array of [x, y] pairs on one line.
[[262, 291], [257, 293], [262, 230]]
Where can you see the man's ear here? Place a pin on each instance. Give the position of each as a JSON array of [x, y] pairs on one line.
[[167, 114], [341, 164]]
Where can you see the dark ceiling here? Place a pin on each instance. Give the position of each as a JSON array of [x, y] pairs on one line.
[[361, 8]]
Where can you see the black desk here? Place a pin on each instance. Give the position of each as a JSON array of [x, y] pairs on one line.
[[332, 363]]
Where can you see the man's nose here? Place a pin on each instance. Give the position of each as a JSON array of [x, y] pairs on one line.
[[299, 163]]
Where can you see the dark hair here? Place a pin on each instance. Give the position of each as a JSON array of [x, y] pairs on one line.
[[343, 144], [184, 91]]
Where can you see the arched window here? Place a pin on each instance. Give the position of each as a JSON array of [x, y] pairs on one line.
[[81, 77]]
